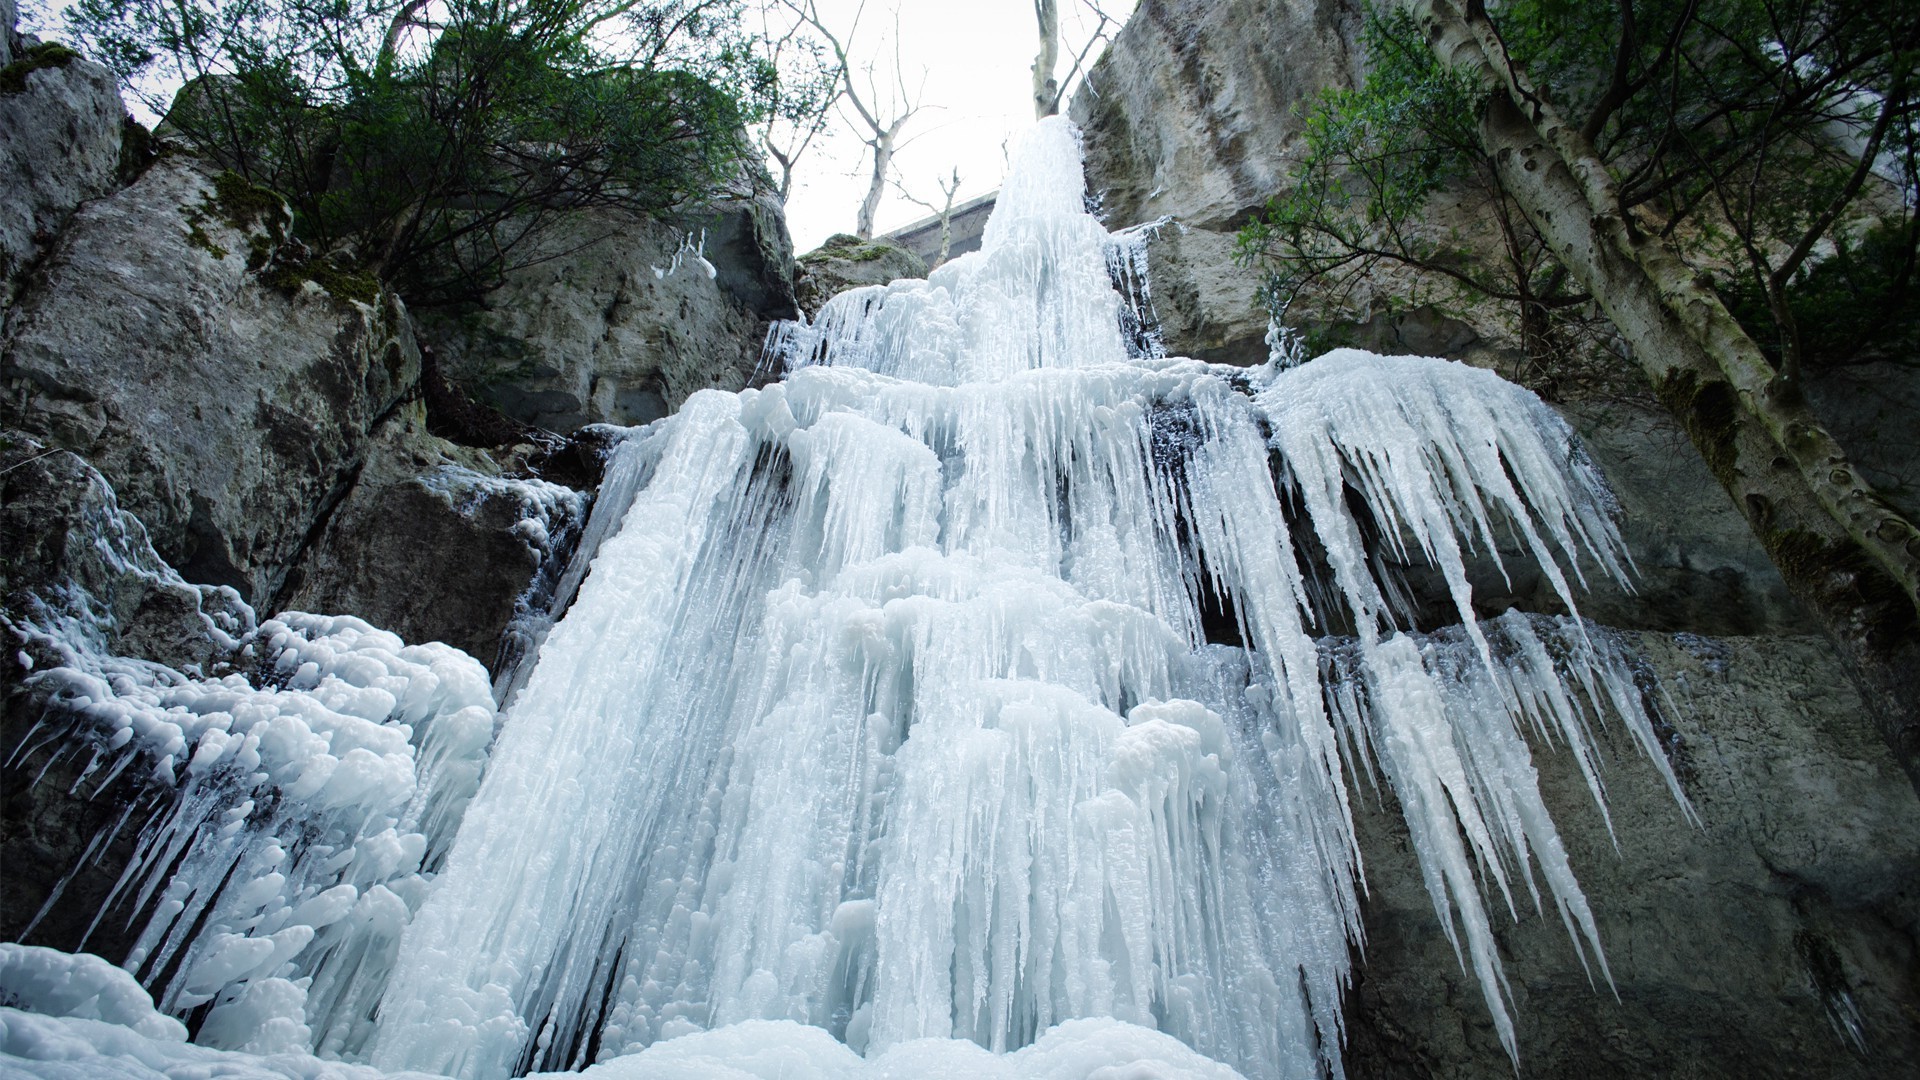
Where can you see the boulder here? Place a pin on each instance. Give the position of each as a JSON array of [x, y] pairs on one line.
[[617, 317], [436, 543], [229, 412], [847, 262], [61, 127], [1776, 938]]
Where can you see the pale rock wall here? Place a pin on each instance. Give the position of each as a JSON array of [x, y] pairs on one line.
[[602, 328], [60, 142]]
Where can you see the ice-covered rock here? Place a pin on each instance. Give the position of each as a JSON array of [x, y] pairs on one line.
[[847, 262]]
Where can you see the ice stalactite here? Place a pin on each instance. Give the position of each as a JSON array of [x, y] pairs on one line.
[[890, 708], [987, 696]]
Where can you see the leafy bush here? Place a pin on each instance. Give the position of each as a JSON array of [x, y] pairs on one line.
[[432, 142]]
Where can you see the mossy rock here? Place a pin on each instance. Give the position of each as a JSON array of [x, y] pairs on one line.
[[47, 54], [851, 248]]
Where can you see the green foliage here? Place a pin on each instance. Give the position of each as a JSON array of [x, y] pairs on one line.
[[1374, 157], [1856, 306], [47, 54], [1775, 143], [434, 143]]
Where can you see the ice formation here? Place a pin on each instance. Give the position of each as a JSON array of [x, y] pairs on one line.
[[984, 698]]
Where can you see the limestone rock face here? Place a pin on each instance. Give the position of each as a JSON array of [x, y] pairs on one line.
[[227, 413], [1195, 113], [608, 326], [60, 139], [846, 262], [1196, 109], [1778, 938], [435, 544]]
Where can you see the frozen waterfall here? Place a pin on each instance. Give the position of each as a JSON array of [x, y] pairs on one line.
[[889, 708], [987, 697]]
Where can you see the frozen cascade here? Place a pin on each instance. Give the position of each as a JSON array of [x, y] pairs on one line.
[[889, 708], [985, 698]]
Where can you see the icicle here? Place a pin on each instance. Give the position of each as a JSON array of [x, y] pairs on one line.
[[976, 683]]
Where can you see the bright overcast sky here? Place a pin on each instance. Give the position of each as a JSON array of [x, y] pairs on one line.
[[978, 94]]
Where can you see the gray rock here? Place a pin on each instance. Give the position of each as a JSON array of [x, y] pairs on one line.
[[847, 262], [748, 245], [1874, 411], [434, 543], [1734, 946], [60, 139], [228, 413], [606, 328], [1195, 110], [9, 20], [1208, 304]]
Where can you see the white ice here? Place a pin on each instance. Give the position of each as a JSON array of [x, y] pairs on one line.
[[987, 697]]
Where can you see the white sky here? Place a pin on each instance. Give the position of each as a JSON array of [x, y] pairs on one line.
[[978, 94]]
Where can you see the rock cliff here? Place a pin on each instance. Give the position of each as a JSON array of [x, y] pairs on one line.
[[1777, 938]]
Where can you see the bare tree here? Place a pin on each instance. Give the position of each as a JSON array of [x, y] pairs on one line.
[[808, 86], [881, 107], [948, 188], [1048, 91]]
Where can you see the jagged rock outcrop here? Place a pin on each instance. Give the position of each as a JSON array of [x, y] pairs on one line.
[[618, 317], [61, 129], [228, 413], [388, 552], [1780, 937], [846, 262]]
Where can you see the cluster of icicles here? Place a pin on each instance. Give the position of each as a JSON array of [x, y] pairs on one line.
[[888, 705]]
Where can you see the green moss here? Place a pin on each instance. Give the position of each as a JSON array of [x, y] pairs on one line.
[[247, 205], [198, 237], [339, 282], [1710, 412], [849, 247], [1842, 575], [47, 54]]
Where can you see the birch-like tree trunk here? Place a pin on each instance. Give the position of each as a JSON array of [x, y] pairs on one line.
[[1847, 556]]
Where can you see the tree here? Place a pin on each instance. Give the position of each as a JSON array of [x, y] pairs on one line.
[[882, 106], [803, 99], [1708, 149], [948, 189], [1048, 91], [430, 142]]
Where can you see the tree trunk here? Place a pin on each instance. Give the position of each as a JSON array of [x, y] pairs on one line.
[[1046, 90], [882, 146], [1849, 557]]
